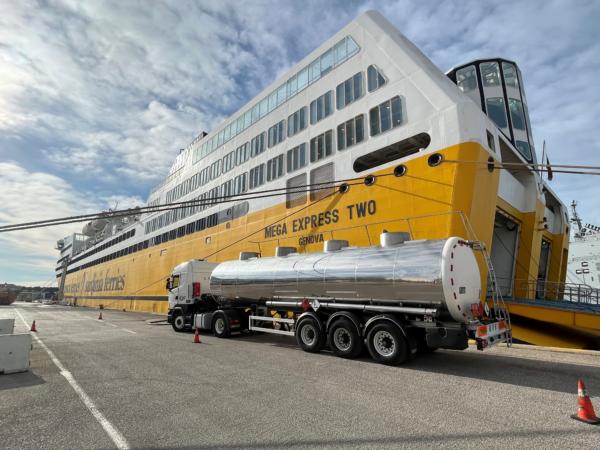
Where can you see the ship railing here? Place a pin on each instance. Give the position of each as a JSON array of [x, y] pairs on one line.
[[553, 291]]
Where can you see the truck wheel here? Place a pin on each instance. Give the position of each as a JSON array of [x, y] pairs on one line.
[[387, 344], [220, 327], [309, 335], [344, 339], [178, 323]]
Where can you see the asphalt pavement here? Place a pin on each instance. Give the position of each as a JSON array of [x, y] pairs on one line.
[[156, 389]]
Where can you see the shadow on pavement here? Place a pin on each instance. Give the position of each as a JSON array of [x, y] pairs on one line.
[[373, 442], [552, 376], [18, 380]]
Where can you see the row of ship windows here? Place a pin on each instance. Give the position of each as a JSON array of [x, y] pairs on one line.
[[322, 65], [183, 230], [383, 117], [104, 246], [320, 108]]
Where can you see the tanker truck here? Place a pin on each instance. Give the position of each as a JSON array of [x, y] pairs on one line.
[[397, 298]]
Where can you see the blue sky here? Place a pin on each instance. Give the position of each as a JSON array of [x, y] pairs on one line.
[[97, 97]]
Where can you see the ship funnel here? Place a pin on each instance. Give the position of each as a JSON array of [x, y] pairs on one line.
[[389, 239], [248, 255], [284, 251], [334, 245]]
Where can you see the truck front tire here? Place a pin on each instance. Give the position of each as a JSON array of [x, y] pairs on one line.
[[387, 344], [220, 326], [178, 323], [310, 336]]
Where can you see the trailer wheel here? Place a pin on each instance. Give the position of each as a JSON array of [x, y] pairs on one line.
[[310, 336], [220, 327], [178, 323], [344, 339], [387, 344]]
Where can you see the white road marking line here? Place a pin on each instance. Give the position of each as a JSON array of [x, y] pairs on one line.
[[113, 433]]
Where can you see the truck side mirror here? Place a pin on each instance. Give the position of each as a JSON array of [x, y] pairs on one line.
[[168, 285]]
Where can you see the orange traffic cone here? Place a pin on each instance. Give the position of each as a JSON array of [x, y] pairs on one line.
[[33, 327], [586, 410], [197, 337], [100, 316]]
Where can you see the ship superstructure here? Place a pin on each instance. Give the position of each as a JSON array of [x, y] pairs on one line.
[[584, 253], [363, 135]]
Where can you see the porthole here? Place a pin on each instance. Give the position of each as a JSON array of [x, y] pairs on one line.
[[369, 180], [344, 187], [435, 159], [400, 170]]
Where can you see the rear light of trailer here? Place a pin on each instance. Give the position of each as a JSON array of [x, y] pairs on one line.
[[196, 289]]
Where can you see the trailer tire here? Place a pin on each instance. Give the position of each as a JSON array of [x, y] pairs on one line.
[[178, 323], [387, 344], [344, 339], [220, 326], [310, 335]]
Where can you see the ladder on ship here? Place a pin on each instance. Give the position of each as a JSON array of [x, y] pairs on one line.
[[500, 311]]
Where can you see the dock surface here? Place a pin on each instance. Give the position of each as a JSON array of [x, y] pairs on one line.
[[157, 389]]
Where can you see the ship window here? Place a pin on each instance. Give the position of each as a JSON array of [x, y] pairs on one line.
[[466, 79], [490, 74], [296, 191], [385, 116], [524, 149], [516, 113], [350, 90], [297, 121], [277, 133], [228, 163], [275, 168], [393, 152], [227, 188], [321, 146], [496, 111], [242, 153], [257, 176], [257, 145], [239, 183], [375, 78], [490, 141], [296, 158], [350, 133], [319, 179], [321, 107], [510, 75]]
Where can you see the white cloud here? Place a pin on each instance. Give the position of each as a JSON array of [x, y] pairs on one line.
[[32, 196]]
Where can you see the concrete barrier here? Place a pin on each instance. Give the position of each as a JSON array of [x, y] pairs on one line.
[[7, 326], [14, 352], [14, 348]]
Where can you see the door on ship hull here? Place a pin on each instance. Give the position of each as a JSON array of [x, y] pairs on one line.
[[540, 291], [504, 252]]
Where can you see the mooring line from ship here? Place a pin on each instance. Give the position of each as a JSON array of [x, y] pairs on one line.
[[251, 234], [534, 167], [113, 432], [185, 204]]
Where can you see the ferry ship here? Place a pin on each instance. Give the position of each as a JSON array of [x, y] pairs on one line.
[[363, 135]]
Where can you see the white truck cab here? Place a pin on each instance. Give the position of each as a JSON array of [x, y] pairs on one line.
[[185, 286]]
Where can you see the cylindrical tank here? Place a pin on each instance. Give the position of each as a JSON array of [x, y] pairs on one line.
[[427, 272]]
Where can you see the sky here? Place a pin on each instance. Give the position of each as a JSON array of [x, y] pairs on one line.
[[97, 97]]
